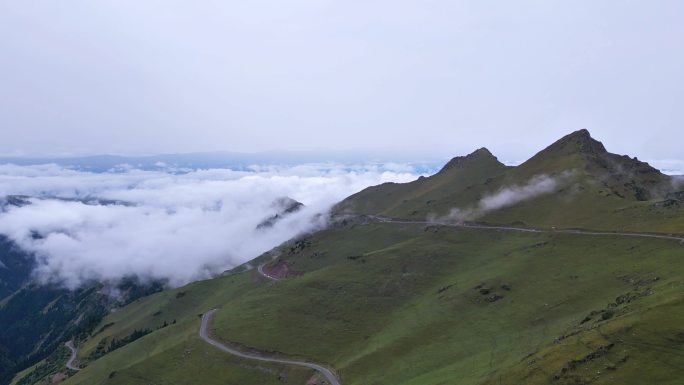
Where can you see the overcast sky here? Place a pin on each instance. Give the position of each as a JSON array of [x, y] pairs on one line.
[[434, 77]]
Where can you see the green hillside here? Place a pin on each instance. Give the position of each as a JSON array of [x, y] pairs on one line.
[[595, 189], [431, 304]]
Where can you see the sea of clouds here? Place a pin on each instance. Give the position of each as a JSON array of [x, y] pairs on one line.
[[164, 224]]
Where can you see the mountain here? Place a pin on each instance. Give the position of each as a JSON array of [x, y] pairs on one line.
[[593, 188], [625, 177], [220, 159], [562, 270]]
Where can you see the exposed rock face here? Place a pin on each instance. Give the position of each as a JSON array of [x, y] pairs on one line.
[[284, 206]]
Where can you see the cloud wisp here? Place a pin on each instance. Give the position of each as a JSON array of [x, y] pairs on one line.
[[159, 225], [506, 196]]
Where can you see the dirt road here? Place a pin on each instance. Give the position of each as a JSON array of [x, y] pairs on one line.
[[74, 352], [204, 334], [674, 237], [261, 271]]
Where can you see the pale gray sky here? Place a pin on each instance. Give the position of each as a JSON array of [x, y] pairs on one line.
[[131, 76]]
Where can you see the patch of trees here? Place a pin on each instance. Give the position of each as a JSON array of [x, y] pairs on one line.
[[117, 343], [54, 363], [104, 347]]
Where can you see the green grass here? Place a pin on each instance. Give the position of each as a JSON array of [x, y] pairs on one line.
[[404, 310], [411, 330], [174, 355]]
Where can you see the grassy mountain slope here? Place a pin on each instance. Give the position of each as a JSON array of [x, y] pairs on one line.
[[459, 182], [414, 304], [595, 189], [604, 191], [418, 311]]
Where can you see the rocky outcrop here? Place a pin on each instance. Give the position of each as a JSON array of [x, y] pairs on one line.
[[284, 207]]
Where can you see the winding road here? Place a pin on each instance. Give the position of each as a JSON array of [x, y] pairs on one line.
[[380, 219], [679, 238], [74, 352], [203, 333], [261, 271]]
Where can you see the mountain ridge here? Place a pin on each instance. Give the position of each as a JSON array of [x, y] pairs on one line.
[[591, 182]]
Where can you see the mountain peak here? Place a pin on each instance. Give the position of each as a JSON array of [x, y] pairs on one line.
[[581, 133], [481, 152], [579, 141], [622, 175], [481, 155]]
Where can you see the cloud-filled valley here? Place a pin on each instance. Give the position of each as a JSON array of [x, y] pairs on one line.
[[162, 225]]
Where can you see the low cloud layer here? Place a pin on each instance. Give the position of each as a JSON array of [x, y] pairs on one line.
[[164, 225], [669, 166], [508, 196]]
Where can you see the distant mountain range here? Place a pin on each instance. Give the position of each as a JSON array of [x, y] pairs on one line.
[[233, 160]]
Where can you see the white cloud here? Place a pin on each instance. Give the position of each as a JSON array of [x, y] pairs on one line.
[[539, 185], [669, 166], [175, 227], [506, 196]]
